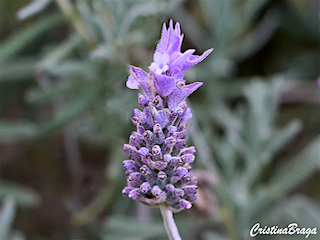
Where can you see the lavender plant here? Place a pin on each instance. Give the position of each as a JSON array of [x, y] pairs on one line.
[[159, 164]]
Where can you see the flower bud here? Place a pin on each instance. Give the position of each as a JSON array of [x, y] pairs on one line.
[[145, 187], [156, 152], [187, 158], [158, 134], [162, 179], [142, 100], [185, 204], [148, 137], [135, 139], [130, 164], [126, 191], [189, 189], [170, 188], [132, 152], [181, 171], [157, 102], [156, 191], [134, 194], [168, 145]]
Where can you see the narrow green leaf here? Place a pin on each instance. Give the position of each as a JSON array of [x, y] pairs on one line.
[[295, 171], [298, 208], [290, 176], [18, 70], [32, 8], [22, 38], [55, 56], [283, 136], [24, 196], [17, 130], [256, 39], [89, 17], [191, 28], [40, 96], [69, 112], [73, 67], [253, 8], [76, 106], [149, 8], [7, 215]]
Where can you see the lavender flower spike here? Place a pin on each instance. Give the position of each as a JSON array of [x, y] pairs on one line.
[[159, 161]]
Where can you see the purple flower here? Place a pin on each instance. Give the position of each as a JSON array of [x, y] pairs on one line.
[[159, 161]]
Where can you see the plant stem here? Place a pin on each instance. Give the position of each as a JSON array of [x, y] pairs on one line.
[[169, 223]]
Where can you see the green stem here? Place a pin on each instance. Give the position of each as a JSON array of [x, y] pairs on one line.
[[169, 223]]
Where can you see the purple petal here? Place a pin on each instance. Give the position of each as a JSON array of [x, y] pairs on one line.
[[186, 60], [162, 118], [187, 116], [171, 39], [163, 84], [147, 120], [160, 64], [138, 78], [179, 61], [132, 83], [179, 94]]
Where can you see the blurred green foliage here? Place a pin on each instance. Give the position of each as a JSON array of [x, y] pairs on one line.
[[65, 113]]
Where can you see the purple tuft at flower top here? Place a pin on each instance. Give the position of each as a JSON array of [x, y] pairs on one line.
[[158, 168]]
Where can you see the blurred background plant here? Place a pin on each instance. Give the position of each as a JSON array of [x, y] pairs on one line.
[[65, 113]]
